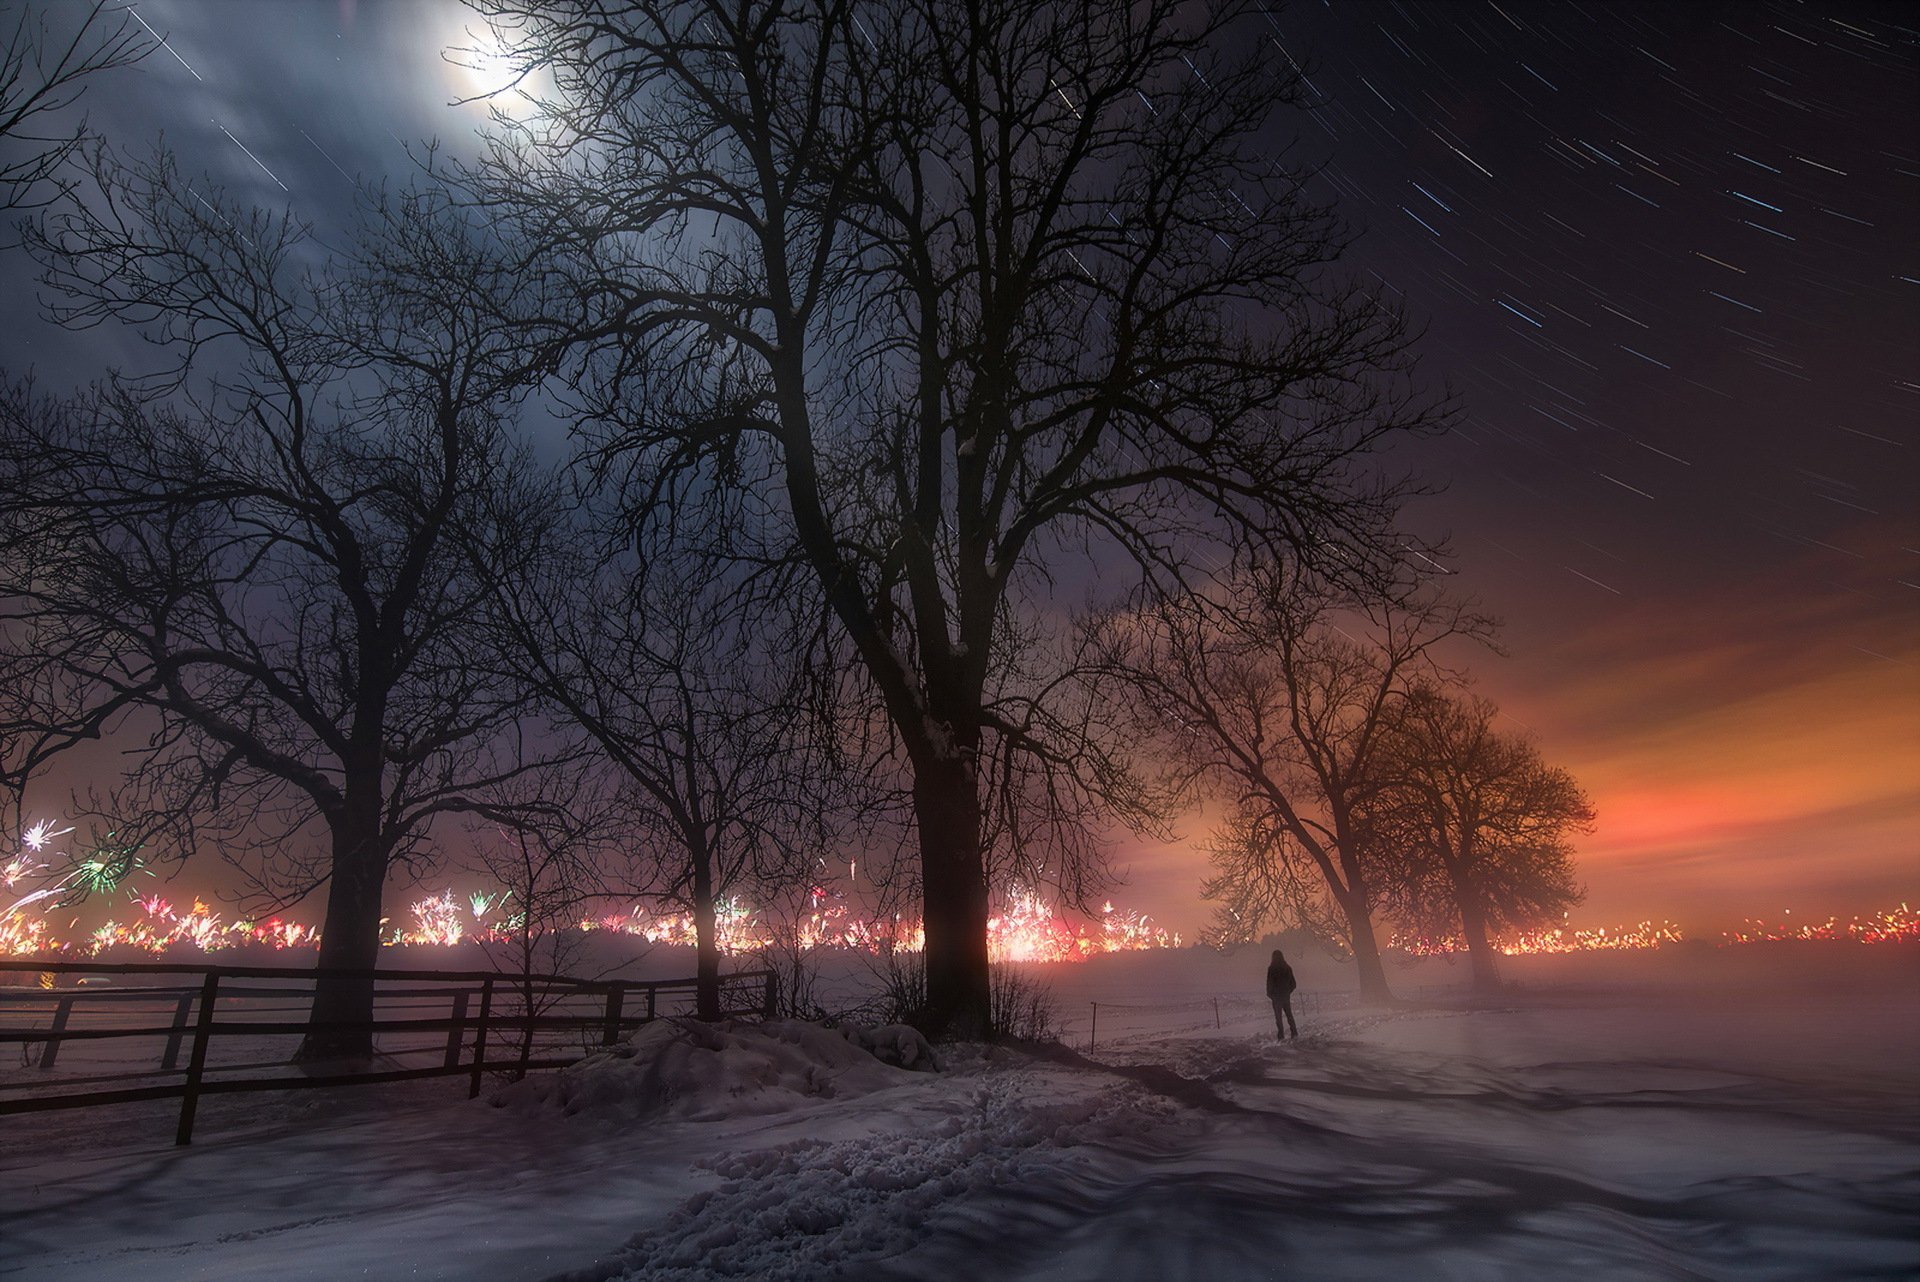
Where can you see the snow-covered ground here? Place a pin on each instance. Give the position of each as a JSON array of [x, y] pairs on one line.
[[1613, 1127]]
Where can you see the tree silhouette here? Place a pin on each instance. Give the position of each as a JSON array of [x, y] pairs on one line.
[[1283, 703], [1487, 823], [42, 71], [666, 665], [974, 300], [258, 560]]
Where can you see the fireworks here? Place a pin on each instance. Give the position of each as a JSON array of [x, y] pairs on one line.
[[1128, 931], [32, 883], [38, 884], [96, 876], [1563, 938], [160, 928], [437, 920], [23, 936], [1028, 928], [737, 928], [37, 836], [1896, 925], [1902, 923]]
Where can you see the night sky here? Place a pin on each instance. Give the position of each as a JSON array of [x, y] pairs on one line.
[[1667, 257]]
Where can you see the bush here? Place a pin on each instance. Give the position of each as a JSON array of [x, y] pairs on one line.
[[796, 986], [902, 994], [1023, 1007]]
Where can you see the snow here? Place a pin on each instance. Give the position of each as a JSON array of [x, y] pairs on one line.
[[1622, 1129], [683, 1068]]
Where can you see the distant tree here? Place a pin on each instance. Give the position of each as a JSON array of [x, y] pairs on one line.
[[1281, 702], [258, 561], [552, 851], [1487, 824], [792, 948], [673, 669], [42, 74], [974, 298]]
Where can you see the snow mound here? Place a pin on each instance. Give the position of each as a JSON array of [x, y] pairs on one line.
[[682, 1068], [896, 1044]]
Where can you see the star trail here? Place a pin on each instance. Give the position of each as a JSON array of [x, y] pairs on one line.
[[1665, 260]]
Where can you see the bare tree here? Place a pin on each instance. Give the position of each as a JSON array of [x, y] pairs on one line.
[[553, 852], [42, 70], [1283, 704], [1261, 878], [974, 298], [42, 74], [671, 667], [1487, 823], [257, 562]]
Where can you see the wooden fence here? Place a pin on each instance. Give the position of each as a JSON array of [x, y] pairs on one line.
[[545, 1021]]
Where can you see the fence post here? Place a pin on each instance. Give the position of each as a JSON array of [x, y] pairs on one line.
[[480, 1036], [1216, 1012], [171, 1058], [197, 1062], [61, 1013], [653, 995], [771, 1006], [1094, 1034], [616, 998], [458, 1032]]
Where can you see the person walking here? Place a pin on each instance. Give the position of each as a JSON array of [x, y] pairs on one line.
[[1280, 986]]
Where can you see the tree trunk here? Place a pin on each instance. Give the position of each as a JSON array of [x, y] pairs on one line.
[[946, 807], [1355, 903], [349, 940], [1473, 924], [1366, 953], [706, 987], [527, 999]]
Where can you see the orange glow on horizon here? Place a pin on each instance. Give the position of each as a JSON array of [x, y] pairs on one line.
[[1770, 795]]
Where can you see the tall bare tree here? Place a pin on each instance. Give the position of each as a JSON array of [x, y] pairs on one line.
[[257, 561], [1282, 703], [1487, 823], [977, 298]]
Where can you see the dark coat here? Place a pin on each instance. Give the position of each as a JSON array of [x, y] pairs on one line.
[[1280, 981]]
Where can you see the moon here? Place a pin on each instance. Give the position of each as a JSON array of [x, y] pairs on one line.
[[477, 64]]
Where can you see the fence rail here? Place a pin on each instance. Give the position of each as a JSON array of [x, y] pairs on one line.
[[1089, 1022], [549, 1021]]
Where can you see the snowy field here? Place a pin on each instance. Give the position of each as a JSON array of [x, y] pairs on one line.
[[1615, 1119]]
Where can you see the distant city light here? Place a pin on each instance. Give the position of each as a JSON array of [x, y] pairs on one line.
[[1027, 928]]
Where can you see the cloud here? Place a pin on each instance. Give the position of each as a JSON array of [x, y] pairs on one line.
[[1742, 748]]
